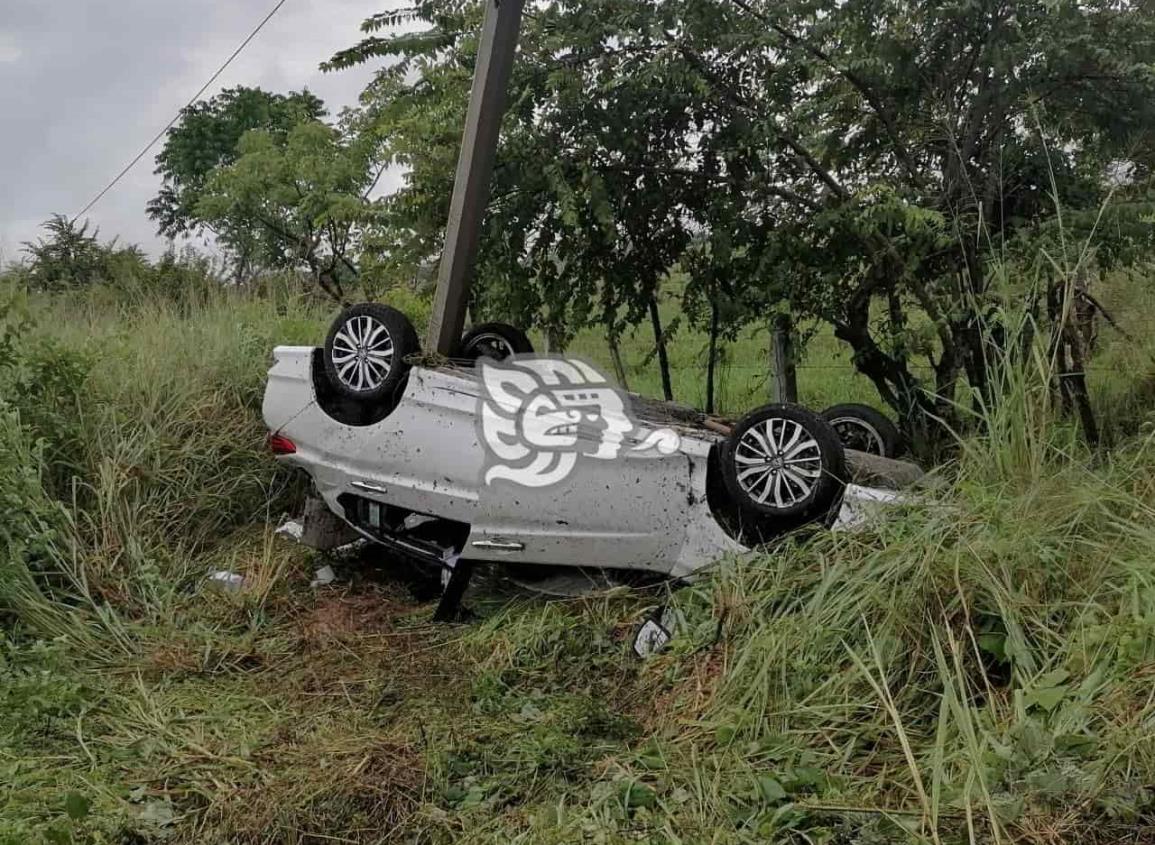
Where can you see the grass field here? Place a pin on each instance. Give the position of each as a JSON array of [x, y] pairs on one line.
[[976, 668], [825, 373]]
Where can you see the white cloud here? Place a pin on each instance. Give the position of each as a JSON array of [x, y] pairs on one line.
[[91, 88], [9, 50]]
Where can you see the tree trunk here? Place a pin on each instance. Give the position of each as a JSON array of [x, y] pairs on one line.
[[891, 376], [1078, 389], [977, 364], [555, 341], [616, 356], [1069, 352], [712, 357], [660, 346], [329, 284], [1084, 312], [897, 323]]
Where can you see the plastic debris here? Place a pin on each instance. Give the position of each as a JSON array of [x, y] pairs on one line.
[[227, 580], [293, 529], [655, 633], [323, 577], [863, 505], [414, 519], [448, 564]]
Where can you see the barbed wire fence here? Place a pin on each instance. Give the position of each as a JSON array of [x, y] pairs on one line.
[[749, 373]]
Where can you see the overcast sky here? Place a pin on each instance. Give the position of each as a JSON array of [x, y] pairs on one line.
[[84, 84]]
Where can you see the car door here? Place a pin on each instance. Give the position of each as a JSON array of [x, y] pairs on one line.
[[565, 482], [425, 455]]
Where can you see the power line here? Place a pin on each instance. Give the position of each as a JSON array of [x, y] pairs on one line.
[[176, 117]]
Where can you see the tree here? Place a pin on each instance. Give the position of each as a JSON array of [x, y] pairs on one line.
[[67, 257], [865, 163], [567, 243], [205, 138], [300, 199]]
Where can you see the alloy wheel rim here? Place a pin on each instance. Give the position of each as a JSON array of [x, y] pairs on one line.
[[491, 345], [859, 434], [778, 463], [363, 353]]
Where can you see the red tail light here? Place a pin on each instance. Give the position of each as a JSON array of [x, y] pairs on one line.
[[281, 445]]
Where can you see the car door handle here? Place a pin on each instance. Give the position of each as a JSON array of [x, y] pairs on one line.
[[498, 545], [369, 488]]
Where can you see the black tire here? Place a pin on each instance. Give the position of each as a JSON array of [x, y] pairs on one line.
[[493, 340], [805, 464], [366, 349], [865, 429]]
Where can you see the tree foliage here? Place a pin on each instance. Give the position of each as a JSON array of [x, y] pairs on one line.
[[69, 256], [866, 164], [300, 198], [66, 256], [205, 138]]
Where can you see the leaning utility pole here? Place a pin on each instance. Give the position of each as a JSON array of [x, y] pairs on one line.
[[474, 172]]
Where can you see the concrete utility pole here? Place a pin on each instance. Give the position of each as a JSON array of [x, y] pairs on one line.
[[471, 185]]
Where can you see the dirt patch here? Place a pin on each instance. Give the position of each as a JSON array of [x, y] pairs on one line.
[[364, 787], [369, 645], [177, 658], [338, 616], [690, 696], [1076, 825]]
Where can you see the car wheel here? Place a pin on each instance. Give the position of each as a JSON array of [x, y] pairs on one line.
[[865, 429], [784, 461], [366, 349], [493, 340]]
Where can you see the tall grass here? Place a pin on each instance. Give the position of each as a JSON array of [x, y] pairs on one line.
[[974, 667], [158, 429]]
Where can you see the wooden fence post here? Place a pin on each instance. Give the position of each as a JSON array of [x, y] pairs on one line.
[[784, 385]]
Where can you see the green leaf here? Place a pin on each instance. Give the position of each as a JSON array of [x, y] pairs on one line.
[[158, 812], [76, 806], [1035, 742], [1053, 679], [724, 734], [770, 789], [1047, 698], [635, 794], [994, 644], [1075, 745]]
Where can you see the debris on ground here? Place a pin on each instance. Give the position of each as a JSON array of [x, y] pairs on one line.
[[291, 529], [323, 577], [230, 581], [655, 633]]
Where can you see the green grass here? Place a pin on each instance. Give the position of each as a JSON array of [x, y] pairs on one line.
[[826, 375], [975, 668]]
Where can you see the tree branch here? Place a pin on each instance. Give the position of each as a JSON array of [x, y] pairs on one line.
[[860, 84], [738, 100], [774, 190]]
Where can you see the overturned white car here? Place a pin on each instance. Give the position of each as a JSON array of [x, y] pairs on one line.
[[505, 457]]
